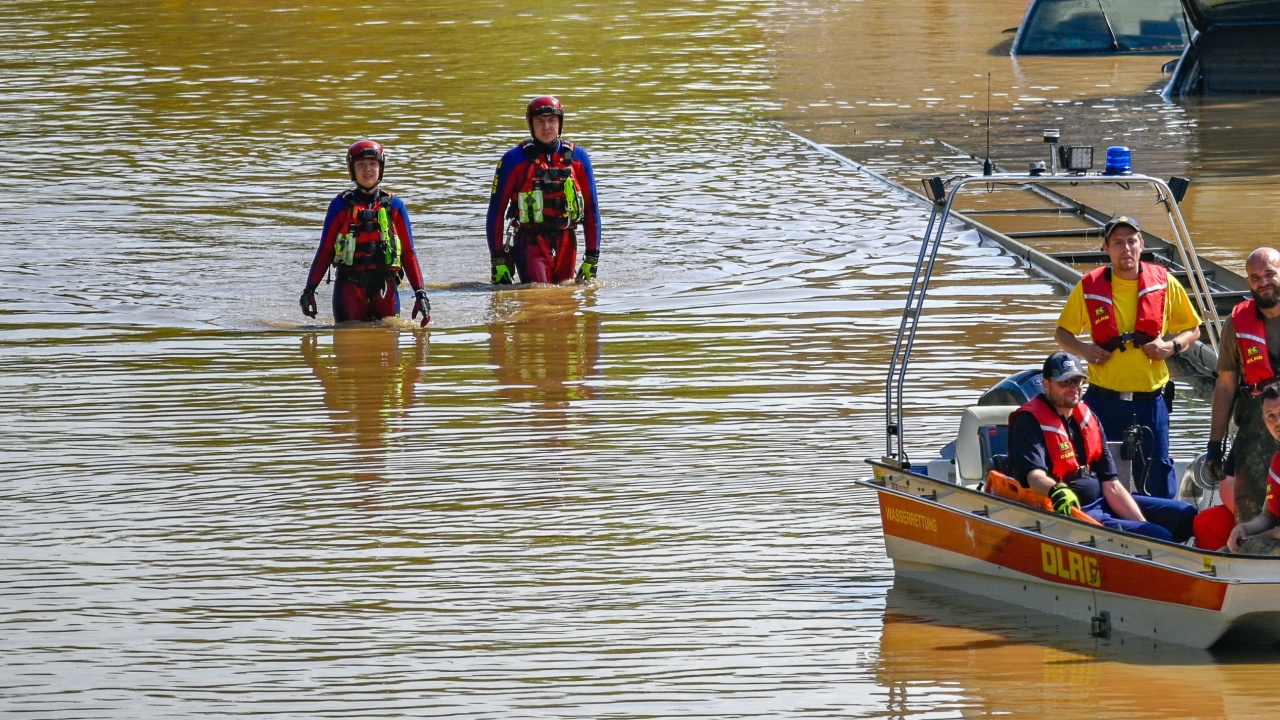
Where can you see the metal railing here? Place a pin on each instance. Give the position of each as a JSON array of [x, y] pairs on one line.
[[942, 199]]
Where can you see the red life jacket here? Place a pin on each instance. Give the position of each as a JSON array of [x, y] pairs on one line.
[[1153, 283], [1251, 338], [1057, 442], [549, 196], [1273, 485], [370, 242]]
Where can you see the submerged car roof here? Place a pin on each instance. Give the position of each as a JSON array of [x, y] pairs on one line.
[[1206, 13]]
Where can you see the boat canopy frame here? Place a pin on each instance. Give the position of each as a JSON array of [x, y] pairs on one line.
[[942, 200]]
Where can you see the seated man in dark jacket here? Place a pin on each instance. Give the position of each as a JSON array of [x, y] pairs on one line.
[[1056, 448]]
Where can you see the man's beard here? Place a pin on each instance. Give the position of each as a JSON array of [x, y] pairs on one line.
[[1267, 303]]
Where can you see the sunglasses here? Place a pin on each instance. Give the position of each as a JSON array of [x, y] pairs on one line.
[[1073, 382]]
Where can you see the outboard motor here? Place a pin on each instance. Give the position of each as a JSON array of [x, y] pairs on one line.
[[1016, 389], [1198, 485]]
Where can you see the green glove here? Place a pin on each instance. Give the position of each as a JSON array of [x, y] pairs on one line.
[[587, 272], [502, 274], [1064, 498]]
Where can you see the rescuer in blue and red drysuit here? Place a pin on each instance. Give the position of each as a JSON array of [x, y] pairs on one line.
[[367, 236], [544, 189]]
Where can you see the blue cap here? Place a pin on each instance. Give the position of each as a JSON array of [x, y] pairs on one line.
[[1063, 366], [1117, 221]]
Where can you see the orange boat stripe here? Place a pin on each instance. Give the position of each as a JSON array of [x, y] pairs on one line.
[[1050, 560]]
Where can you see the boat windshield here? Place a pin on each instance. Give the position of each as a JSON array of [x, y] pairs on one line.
[[1102, 26]]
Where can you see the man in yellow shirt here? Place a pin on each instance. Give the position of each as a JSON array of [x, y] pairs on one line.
[[1137, 316]]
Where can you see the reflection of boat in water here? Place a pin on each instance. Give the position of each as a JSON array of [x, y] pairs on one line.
[[941, 527], [957, 655]]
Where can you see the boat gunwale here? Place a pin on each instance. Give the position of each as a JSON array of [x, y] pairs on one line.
[[1173, 548]]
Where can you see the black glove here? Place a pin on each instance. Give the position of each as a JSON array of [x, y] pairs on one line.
[[502, 274], [1214, 456], [308, 301], [1063, 498], [421, 305], [590, 261]]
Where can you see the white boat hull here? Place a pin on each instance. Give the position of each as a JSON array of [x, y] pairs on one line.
[[1107, 581]]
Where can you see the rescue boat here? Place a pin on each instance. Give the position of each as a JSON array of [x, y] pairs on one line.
[[945, 524]]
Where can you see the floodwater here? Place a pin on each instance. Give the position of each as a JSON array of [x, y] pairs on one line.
[[627, 500]]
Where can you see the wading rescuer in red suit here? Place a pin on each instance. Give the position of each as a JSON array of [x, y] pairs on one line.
[[543, 190], [367, 236]]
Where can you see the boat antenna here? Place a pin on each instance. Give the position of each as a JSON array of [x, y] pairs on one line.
[[986, 164]]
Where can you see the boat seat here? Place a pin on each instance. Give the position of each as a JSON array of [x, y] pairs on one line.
[[984, 434]]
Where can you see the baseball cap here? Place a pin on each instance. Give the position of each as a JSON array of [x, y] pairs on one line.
[[1119, 220], [1063, 366]]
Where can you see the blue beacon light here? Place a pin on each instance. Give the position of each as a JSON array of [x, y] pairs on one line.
[[1118, 161]]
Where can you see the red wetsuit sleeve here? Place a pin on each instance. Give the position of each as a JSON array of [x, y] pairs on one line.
[[328, 238], [408, 255]]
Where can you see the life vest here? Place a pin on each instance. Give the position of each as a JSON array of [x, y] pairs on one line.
[[1153, 283], [1273, 484], [1251, 338], [1057, 442], [370, 241], [548, 197]]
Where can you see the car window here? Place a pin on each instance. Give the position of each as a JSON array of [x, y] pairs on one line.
[[1240, 60], [1102, 26]]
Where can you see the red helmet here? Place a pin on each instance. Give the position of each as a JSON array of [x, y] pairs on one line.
[[544, 105], [366, 149]]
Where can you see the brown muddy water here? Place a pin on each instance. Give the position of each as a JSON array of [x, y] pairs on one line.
[[627, 500]]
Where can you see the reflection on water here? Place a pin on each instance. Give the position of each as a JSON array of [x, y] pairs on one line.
[[544, 345], [367, 378], [627, 500], [943, 651]]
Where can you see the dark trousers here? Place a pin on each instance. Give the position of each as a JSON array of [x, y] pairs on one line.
[[1166, 519], [1153, 469]]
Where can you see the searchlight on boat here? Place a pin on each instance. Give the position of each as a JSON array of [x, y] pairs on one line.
[[1076, 158]]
